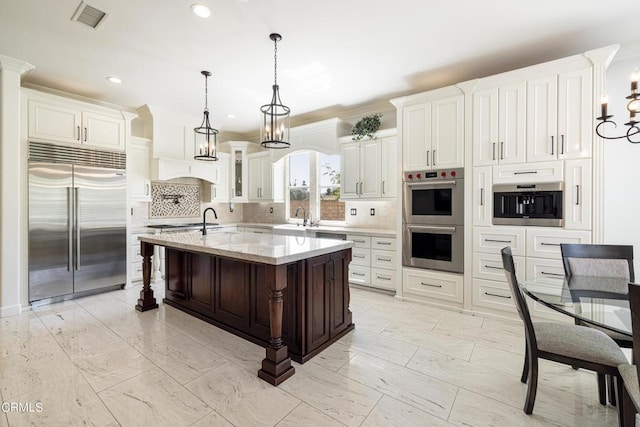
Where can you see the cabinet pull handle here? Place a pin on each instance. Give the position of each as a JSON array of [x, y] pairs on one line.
[[358, 274], [497, 241], [551, 274], [358, 241], [493, 151], [501, 150], [85, 134], [549, 244], [383, 192], [577, 194], [383, 259], [496, 295], [79, 132], [358, 256], [493, 267], [561, 144], [482, 197], [525, 172], [146, 190], [430, 284], [433, 158], [382, 277], [552, 144], [384, 243], [428, 151]]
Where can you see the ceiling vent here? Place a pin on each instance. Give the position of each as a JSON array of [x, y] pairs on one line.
[[89, 15]]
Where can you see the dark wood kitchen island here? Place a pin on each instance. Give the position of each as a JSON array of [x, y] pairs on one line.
[[290, 294]]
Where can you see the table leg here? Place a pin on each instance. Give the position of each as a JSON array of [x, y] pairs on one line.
[[276, 366], [147, 300]]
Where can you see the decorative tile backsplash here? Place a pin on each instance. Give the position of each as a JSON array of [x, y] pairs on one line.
[[171, 200]]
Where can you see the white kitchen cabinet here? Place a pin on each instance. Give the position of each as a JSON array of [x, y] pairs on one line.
[[482, 196], [433, 134], [577, 195], [433, 284], [492, 239], [493, 295], [544, 268], [238, 173], [489, 266], [138, 170], [389, 172], [529, 173], [543, 242], [266, 179], [219, 190], [373, 261], [56, 119], [360, 170], [559, 116], [499, 125]]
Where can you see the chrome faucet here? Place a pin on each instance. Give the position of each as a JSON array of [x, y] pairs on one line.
[[304, 215], [204, 219]]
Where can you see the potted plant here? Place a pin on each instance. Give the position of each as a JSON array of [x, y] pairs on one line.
[[366, 126]]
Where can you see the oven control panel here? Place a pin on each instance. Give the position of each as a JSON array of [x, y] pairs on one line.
[[433, 175]]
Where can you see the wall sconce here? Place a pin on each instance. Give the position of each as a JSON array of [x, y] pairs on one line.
[[633, 106]]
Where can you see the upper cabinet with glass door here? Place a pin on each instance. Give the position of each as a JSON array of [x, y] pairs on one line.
[[238, 172]]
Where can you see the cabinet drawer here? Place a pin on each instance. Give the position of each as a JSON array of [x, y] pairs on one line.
[[136, 271], [383, 259], [489, 267], [544, 268], [135, 251], [491, 240], [361, 257], [545, 243], [360, 241], [359, 274], [433, 284], [528, 173], [383, 279], [385, 243], [493, 295]]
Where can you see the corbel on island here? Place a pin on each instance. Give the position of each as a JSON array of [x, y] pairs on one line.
[[290, 294]]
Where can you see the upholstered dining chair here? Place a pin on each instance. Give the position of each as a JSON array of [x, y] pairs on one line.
[[631, 373], [569, 344], [603, 261]]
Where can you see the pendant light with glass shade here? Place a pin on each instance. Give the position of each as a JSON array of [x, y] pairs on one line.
[[274, 132], [206, 136]]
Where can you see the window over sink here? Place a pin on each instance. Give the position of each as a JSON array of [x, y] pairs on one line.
[[314, 185]]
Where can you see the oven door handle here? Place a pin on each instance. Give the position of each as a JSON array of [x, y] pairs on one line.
[[430, 227], [427, 184]]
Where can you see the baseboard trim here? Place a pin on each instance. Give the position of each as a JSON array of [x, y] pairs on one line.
[[12, 310]]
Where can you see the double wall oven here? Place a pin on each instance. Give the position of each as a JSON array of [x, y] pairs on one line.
[[433, 220]]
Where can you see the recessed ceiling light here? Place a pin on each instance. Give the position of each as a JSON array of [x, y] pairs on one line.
[[231, 116], [200, 10], [114, 80]]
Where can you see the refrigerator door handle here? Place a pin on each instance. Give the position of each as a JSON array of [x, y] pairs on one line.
[[69, 229], [77, 226]]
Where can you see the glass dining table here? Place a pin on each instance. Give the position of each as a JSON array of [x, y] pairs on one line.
[[600, 301]]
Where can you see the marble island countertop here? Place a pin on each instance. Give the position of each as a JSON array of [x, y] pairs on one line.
[[267, 249]]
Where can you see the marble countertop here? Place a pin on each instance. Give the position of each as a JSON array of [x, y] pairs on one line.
[[266, 249]]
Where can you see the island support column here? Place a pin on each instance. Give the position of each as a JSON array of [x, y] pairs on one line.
[[147, 300], [276, 366]]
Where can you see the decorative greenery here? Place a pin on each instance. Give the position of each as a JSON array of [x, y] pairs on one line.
[[366, 126]]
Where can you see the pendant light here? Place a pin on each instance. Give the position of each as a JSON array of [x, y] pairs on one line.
[[274, 132], [206, 147]]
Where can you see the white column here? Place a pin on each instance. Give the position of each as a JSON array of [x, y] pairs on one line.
[[12, 180], [601, 59]]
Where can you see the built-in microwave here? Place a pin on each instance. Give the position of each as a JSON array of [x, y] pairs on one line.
[[528, 204]]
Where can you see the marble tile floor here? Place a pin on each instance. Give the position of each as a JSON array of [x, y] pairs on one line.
[[96, 361]]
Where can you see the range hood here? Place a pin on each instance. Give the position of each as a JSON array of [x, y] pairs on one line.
[[165, 169]]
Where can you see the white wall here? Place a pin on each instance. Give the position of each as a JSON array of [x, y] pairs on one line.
[[621, 166]]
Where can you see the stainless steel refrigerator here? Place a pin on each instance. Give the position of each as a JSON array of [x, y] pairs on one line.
[[77, 221]]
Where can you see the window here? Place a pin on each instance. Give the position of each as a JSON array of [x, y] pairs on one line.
[[314, 185]]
